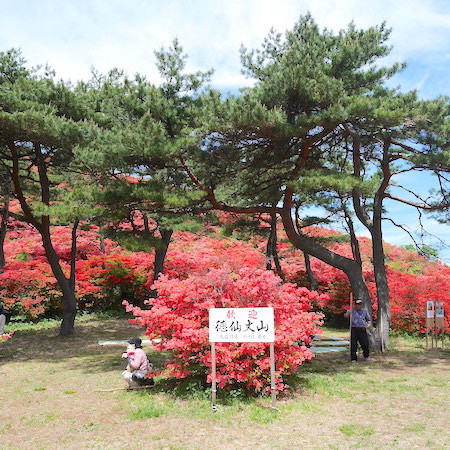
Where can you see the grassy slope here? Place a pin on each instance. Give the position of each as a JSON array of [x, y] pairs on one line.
[[49, 400]]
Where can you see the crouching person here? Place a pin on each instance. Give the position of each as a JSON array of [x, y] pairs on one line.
[[138, 365]]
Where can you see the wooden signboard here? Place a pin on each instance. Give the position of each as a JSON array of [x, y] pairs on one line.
[[241, 325], [429, 318], [439, 315], [435, 322]]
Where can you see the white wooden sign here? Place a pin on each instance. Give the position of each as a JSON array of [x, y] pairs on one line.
[[440, 322], [430, 309], [439, 309], [241, 325]]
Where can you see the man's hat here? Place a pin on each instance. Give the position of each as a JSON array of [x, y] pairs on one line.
[[136, 341], [358, 302]]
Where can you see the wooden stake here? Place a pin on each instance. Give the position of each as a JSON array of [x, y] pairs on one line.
[[213, 376], [124, 389], [273, 387]]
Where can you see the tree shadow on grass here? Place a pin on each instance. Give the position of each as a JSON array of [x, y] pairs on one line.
[[407, 359], [395, 359], [80, 352], [326, 373], [46, 345]]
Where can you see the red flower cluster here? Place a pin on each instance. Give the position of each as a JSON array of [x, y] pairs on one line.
[[105, 277], [178, 319], [5, 336]]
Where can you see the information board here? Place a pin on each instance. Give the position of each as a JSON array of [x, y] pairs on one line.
[[429, 317], [430, 309], [440, 323], [241, 325]]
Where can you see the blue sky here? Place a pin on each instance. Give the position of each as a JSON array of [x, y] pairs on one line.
[[74, 36]]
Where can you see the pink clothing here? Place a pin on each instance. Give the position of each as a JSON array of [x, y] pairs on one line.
[[138, 360]]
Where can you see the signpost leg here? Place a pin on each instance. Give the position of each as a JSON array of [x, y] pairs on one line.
[[213, 376], [433, 332], [224, 327], [273, 388]]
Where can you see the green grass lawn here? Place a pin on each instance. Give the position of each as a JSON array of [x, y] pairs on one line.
[[50, 396]]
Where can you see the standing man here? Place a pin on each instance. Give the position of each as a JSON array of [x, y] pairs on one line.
[[360, 321]]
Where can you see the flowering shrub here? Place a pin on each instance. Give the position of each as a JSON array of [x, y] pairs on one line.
[[409, 294], [104, 281], [190, 254], [28, 287], [178, 318], [4, 337], [107, 274]]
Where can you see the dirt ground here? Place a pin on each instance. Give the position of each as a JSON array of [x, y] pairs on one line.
[[49, 396]]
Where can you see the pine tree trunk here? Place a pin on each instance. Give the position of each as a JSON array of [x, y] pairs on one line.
[[271, 249], [313, 284], [3, 230], [102, 245], [381, 280], [42, 224], [73, 254], [276, 260], [69, 300], [160, 257], [161, 252], [374, 226]]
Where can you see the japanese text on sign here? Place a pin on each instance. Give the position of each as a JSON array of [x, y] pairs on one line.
[[241, 325]]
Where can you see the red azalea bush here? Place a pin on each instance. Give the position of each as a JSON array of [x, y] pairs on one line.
[[189, 254], [103, 280], [178, 318], [28, 287], [4, 337], [409, 294], [106, 274]]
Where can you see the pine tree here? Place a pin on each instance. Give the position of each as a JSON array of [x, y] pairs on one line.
[[136, 184], [317, 102], [41, 122]]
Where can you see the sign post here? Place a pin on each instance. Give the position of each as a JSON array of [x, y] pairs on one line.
[[435, 322], [273, 388], [439, 320], [429, 322], [213, 376], [241, 325]]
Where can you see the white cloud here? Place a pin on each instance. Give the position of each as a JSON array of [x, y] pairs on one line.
[[73, 36]]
